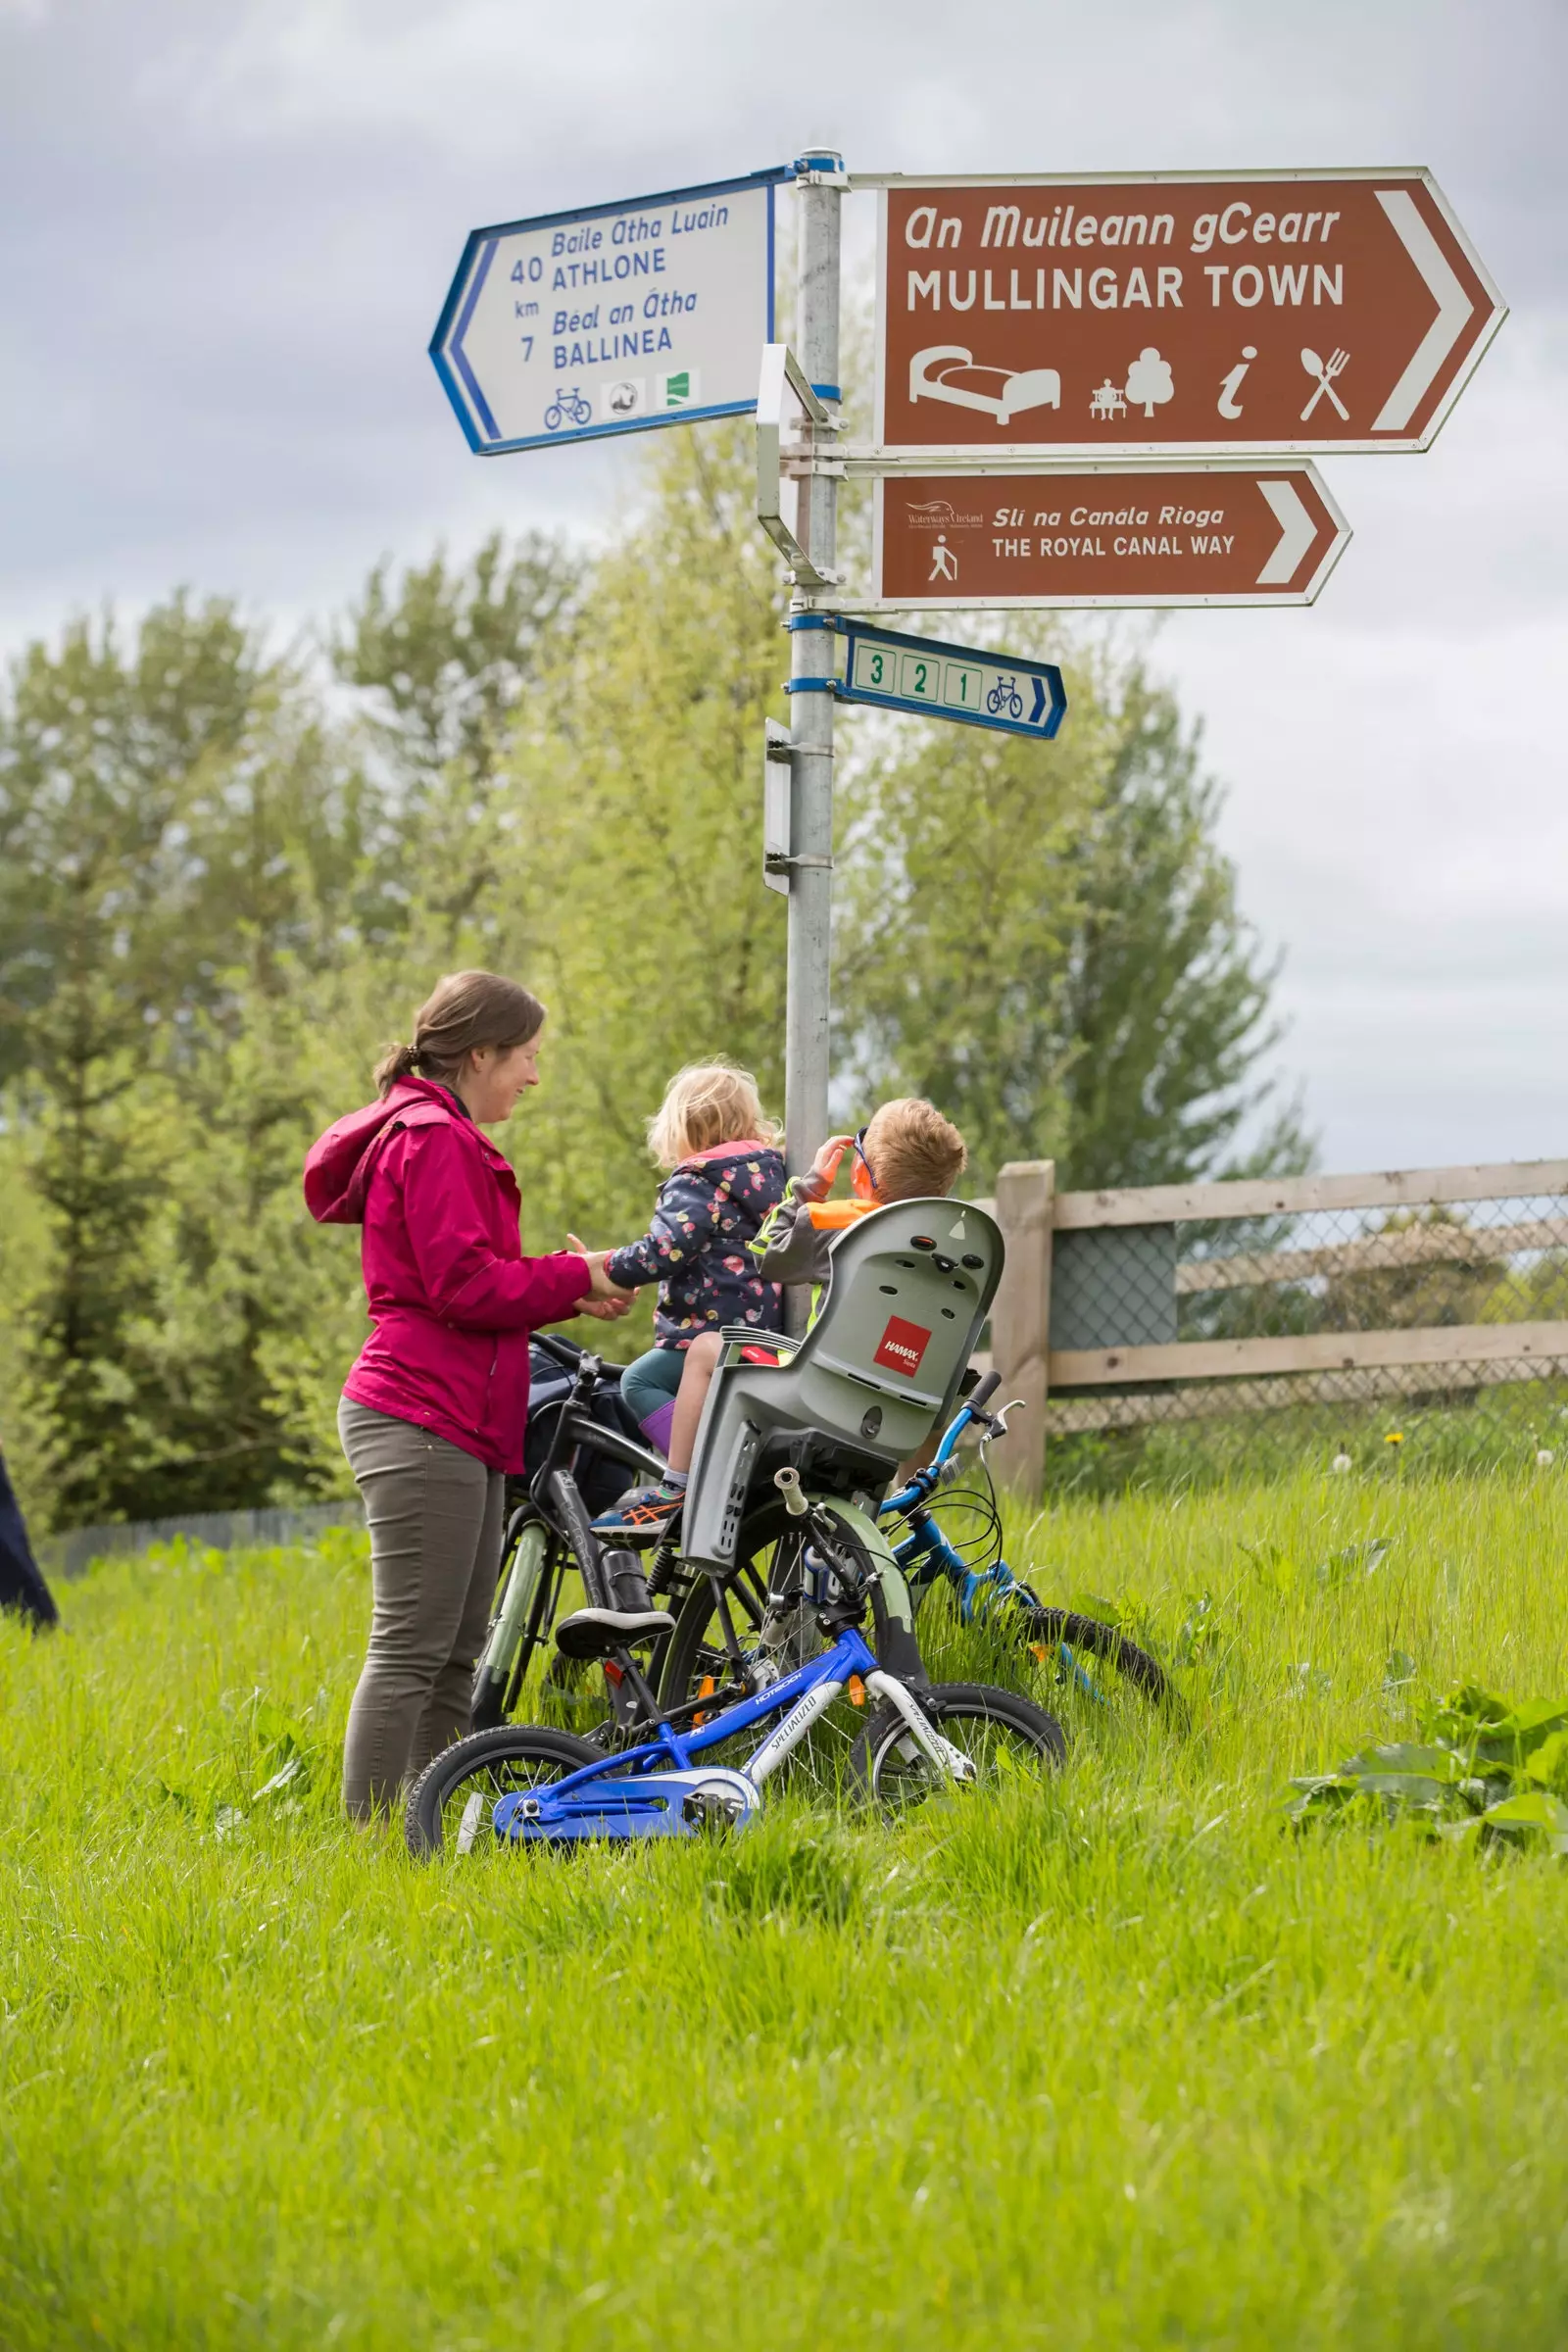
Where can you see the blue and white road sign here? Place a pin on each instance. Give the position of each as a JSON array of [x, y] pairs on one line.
[[978, 689], [612, 319]]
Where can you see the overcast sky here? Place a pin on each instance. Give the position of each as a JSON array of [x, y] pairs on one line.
[[227, 231]]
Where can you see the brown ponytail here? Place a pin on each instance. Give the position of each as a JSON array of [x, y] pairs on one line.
[[463, 1011]]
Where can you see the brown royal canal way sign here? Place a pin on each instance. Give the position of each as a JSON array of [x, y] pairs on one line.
[[1223, 534], [1170, 314]]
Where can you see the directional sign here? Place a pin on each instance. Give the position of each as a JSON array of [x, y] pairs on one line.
[[611, 320], [1186, 535], [1009, 692], [1163, 314]]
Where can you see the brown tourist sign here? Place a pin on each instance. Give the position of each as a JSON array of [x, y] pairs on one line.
[[1222, 534], [1168, 313]]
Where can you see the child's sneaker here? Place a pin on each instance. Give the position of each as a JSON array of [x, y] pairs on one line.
[[645, 1511]]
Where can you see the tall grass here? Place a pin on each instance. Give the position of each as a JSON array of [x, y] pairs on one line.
[[1119, 2063]]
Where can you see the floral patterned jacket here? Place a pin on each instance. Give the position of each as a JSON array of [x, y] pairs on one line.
[[709, 1208]]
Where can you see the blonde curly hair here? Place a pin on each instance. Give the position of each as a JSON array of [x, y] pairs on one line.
[[708, 1103]]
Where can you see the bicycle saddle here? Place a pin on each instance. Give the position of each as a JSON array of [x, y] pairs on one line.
[[598, 1633]]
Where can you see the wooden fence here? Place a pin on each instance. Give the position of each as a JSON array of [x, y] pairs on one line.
[[1375, 1272]]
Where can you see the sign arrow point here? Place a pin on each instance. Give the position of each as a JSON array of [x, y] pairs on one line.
[[1455, 310], [1297, 530], [1039, 710]]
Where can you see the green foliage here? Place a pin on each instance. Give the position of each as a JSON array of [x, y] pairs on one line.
[[1110, 2063], [1046, 940], [228, 879], [1517, 1425], [1480, 1768]]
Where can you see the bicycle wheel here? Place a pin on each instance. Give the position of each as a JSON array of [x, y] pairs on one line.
[[703, 1650], [728, 1628], [1009, 1741], [1095, 1668], [522, 1590], [450, 1804]]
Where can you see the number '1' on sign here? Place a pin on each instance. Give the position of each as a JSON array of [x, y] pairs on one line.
[[898, 673]]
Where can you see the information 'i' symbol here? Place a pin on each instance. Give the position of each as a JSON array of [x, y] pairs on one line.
[[1227, 404]]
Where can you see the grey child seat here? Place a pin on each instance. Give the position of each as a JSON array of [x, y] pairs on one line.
[[879, 1369]]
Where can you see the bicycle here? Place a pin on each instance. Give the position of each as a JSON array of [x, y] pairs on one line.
[[531, 1784], [567, 407], [582, 1452], [1005, 696], [771, 1587]]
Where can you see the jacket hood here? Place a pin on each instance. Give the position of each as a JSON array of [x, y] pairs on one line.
[[748, 1148], [340, 1164]]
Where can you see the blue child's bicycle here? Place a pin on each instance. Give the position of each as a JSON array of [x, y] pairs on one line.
[[765, 1605], [530, 1785], [820, 1428]]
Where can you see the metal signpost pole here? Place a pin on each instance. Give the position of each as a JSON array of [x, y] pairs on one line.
[[821, 184]]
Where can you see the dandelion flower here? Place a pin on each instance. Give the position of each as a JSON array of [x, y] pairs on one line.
[[1545, 1456], [1340, 1462]]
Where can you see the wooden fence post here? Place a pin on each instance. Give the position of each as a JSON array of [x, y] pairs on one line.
[[1020, 1314]]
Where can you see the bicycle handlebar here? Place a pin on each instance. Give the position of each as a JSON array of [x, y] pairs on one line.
[[923, 1485], [567, 1352]]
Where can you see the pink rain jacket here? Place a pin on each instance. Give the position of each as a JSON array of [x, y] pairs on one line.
[[450, 1295]]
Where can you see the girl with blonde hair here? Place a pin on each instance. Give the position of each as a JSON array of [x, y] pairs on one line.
[[727, 1176]]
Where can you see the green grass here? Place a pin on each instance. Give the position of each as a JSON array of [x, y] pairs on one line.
[[1120, 2064]]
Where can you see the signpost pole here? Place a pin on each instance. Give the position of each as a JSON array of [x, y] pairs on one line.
[[821, 184]]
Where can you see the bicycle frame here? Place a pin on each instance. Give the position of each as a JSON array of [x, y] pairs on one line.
[[925, 1553], [629, 1796]]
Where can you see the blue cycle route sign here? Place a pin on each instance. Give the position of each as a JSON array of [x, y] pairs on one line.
[[977, 688], [611, 318]]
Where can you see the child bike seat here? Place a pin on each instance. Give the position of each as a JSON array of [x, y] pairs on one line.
[[908, 1292]]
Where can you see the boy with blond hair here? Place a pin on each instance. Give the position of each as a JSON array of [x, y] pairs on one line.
[[905, 1151]]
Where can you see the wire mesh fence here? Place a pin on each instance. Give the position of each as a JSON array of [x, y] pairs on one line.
[[1413, 1331]]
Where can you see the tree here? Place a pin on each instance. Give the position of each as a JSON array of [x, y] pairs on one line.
[[222, 889], [176, 838], [1046, 941], [442, 661], [631, 880]]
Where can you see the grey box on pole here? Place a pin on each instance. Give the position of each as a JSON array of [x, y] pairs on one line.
[[776, 790]]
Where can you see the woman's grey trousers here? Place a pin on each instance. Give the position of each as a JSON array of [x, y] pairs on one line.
[[435, 1550]]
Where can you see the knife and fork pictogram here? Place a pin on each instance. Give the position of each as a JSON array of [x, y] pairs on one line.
[[1325, 381]]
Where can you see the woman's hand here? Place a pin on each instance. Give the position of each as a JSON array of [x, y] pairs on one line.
[[606, 1299]]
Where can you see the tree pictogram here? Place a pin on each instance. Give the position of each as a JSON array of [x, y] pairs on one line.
[[1148, 381]]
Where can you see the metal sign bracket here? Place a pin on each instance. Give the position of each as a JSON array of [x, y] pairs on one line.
[[789, 417]]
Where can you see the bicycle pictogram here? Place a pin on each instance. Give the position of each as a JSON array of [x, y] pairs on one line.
[[567, 407], [1005, 697]]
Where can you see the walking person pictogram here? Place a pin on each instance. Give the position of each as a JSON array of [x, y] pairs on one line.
[[943, 562]]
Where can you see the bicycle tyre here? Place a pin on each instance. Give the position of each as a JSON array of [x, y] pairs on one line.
[[949, 1706], [1057, 1629], [496, 1695], [484, 1755], [686, 1660]]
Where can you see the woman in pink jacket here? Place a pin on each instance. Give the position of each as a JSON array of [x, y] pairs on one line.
[[432, 1414]]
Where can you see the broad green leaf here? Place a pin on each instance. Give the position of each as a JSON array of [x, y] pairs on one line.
[[1531, 1809], [1550, 1761]]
